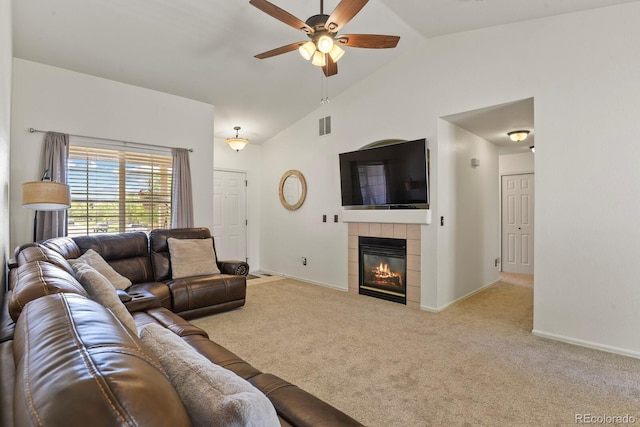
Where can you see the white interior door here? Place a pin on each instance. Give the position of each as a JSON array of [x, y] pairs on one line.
[[517, 223], [230, 214]]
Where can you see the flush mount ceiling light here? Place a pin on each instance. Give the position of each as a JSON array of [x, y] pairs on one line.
[[237, 143], [518, 135]]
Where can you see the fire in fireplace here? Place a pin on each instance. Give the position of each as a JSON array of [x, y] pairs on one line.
[[383, 268]]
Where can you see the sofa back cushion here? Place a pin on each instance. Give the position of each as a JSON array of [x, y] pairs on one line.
[[127, 253], [159, 247], [77, 366], [39, 252], [37, 279], [65, 246]]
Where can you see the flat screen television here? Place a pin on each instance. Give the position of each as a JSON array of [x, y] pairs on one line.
[[394, 176]]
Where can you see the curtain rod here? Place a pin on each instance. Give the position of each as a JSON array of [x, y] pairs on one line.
[[32, 130]]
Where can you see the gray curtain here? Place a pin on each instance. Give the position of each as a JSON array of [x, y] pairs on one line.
[[56, 152], [181, 193]]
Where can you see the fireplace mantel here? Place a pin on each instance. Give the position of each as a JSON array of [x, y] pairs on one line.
[[388, 216]]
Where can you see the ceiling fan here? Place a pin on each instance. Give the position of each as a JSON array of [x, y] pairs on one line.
[[324, 47]]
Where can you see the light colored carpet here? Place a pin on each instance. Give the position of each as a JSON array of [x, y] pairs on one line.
[[474, 364]]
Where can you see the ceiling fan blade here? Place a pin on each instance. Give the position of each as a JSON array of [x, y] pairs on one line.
[[369, 41], [279, 50], [331, 68], [343, 13], [281, 15]]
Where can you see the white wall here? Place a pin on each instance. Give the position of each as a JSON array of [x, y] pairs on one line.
[[511, 164], [248, 160], [286, 236], [468, 241], [49, 98], [6, 57], [586, 88]]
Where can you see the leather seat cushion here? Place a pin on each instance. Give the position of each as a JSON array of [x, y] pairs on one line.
[[195, 292]]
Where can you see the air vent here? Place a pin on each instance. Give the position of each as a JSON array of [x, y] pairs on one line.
[[324, 126]]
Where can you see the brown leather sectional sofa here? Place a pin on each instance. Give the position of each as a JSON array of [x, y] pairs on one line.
[[66, 360]]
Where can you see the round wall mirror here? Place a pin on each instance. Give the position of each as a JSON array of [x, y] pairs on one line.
[[292, 189]]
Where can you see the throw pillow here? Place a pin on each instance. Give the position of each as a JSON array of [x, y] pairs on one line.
[[212, 394], [101, 291], [94, 259], [192, 257]]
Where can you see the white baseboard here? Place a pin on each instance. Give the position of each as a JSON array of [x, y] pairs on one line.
[[449, 304], [587, 344], [303, 279]]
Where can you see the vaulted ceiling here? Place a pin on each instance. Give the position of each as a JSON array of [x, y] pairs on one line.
[[204, 49]]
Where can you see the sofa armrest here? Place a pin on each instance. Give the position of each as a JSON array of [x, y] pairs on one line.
[[239, 268], [140, 300]]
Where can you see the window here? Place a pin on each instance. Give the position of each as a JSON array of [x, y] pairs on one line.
[[116, 191], [373, 183]]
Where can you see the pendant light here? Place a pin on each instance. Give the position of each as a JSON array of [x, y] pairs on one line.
[[237, 143]]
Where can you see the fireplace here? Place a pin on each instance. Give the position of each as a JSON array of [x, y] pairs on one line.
[[383, 268]]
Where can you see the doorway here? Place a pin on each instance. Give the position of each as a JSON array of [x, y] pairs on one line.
[[517, 223], [230, 214]]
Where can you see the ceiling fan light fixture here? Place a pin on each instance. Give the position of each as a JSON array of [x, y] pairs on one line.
[[325, 43], [518, 135], [336, 52], [319, 59], [237, 143], [307, 50]]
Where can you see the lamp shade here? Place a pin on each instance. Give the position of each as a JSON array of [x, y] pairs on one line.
[[319, 59], [237, 143], [325, 43], [336, 53], [45, 196], [307, 50]]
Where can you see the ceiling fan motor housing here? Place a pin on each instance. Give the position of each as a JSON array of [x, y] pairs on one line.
[[317, 22]]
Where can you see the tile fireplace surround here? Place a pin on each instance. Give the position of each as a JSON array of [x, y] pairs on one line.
[[410, 232]]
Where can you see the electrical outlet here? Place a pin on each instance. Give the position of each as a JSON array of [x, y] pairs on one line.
[[304, 260], [324, 218], [335, 218], [497, 262]]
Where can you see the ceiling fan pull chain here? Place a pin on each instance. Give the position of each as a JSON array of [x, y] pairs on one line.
[[324, 90]]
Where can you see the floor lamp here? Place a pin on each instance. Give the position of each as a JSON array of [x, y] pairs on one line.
[[45, 195]]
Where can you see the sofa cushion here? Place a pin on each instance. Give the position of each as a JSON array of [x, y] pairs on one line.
[[159, 248], [36, 279], [192, 257], [77, 366], [39, 252], [211, 394], [65, 246], [103, 292], [93, 259], [207, 292], [127, 253]]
